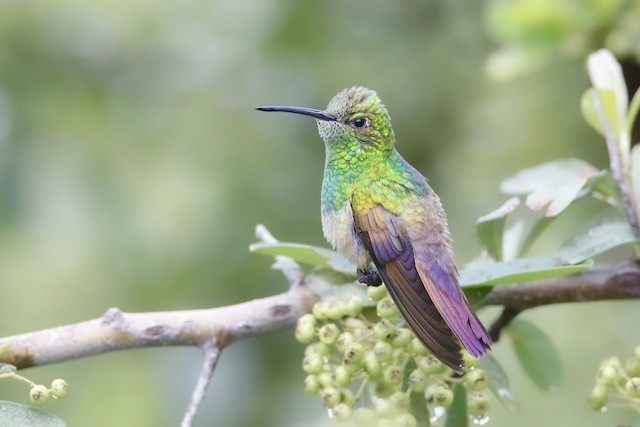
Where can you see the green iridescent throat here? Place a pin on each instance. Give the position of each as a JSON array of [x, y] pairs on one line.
[[364, 181]]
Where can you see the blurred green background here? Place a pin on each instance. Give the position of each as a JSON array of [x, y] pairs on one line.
[[133, 170]]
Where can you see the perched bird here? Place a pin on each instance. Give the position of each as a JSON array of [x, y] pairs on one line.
[[383, 216]]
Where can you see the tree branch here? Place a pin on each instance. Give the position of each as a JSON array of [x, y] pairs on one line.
[[117, 330], [602, 282]]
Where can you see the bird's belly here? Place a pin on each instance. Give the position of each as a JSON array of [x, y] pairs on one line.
[[337, 226]]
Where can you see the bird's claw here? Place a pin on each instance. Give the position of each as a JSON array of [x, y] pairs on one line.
[[369, 276]]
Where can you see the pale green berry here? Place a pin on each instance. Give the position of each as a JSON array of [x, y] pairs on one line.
[[385, 408], [476, 379], [343, 341], [318, 348], [613, 362], [371, 364], [384, 330], [632, 387], [354, 306], [305, 332], [307, 318], [354, 352], [417, 380], [478, 404], [636, 352], [416, 348], [392, 375], [383, 351], [429, 364], [405, 420], [401, 355], [598, 397], [347, 396], [313, 363], [383, 389], [376, 293], [341, 412], [352, 366], [402, 338], [330, 396], [39, 394], [320, 310], [632, 367], [468, 360], [387, 309], [606, 375], [323, 348], [364, 417], [342, 375], [325, 379], [336, 310], [311, 384], [442, 396], [355, 325], [59, 388], [401, 400], [328, 333]]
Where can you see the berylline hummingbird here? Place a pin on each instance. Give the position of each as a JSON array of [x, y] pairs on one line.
[[383, 216]]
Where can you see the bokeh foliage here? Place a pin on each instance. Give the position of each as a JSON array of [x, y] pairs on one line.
[[133, 170]]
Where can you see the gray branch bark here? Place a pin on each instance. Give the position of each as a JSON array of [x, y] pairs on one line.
[[602, 282]]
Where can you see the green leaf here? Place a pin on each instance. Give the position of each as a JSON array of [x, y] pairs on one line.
[[595, 241], [606, 76], [588, 110], [518, 270], [633, 110], [498, 381], [17, 415], [635, 174], [418, 408], [536, 353], [605, 188], [536, 230], [511, 241], [594, 99], [306, 254], [490, 227], [554, 185], [457, 415], [322, 283]]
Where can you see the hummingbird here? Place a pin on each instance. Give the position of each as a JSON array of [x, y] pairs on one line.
[[382, 215]]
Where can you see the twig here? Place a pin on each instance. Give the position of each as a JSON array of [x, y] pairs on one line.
[[211, 355], [602, 282], [619, 168], [507, 315], [289, 267]]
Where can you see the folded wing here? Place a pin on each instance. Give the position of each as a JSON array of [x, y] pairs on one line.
[[423, 281]]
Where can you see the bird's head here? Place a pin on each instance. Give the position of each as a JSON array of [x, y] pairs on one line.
[[354, 119]]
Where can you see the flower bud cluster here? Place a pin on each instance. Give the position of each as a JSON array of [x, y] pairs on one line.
[[378, 363], [615, 379], [40, 393]]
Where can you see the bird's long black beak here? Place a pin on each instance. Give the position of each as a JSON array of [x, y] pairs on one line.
[[318, 114]]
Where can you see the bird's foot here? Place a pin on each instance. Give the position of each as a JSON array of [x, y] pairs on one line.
[[369, 276]]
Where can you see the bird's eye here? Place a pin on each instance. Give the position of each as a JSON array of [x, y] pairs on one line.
[[359, 122]]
